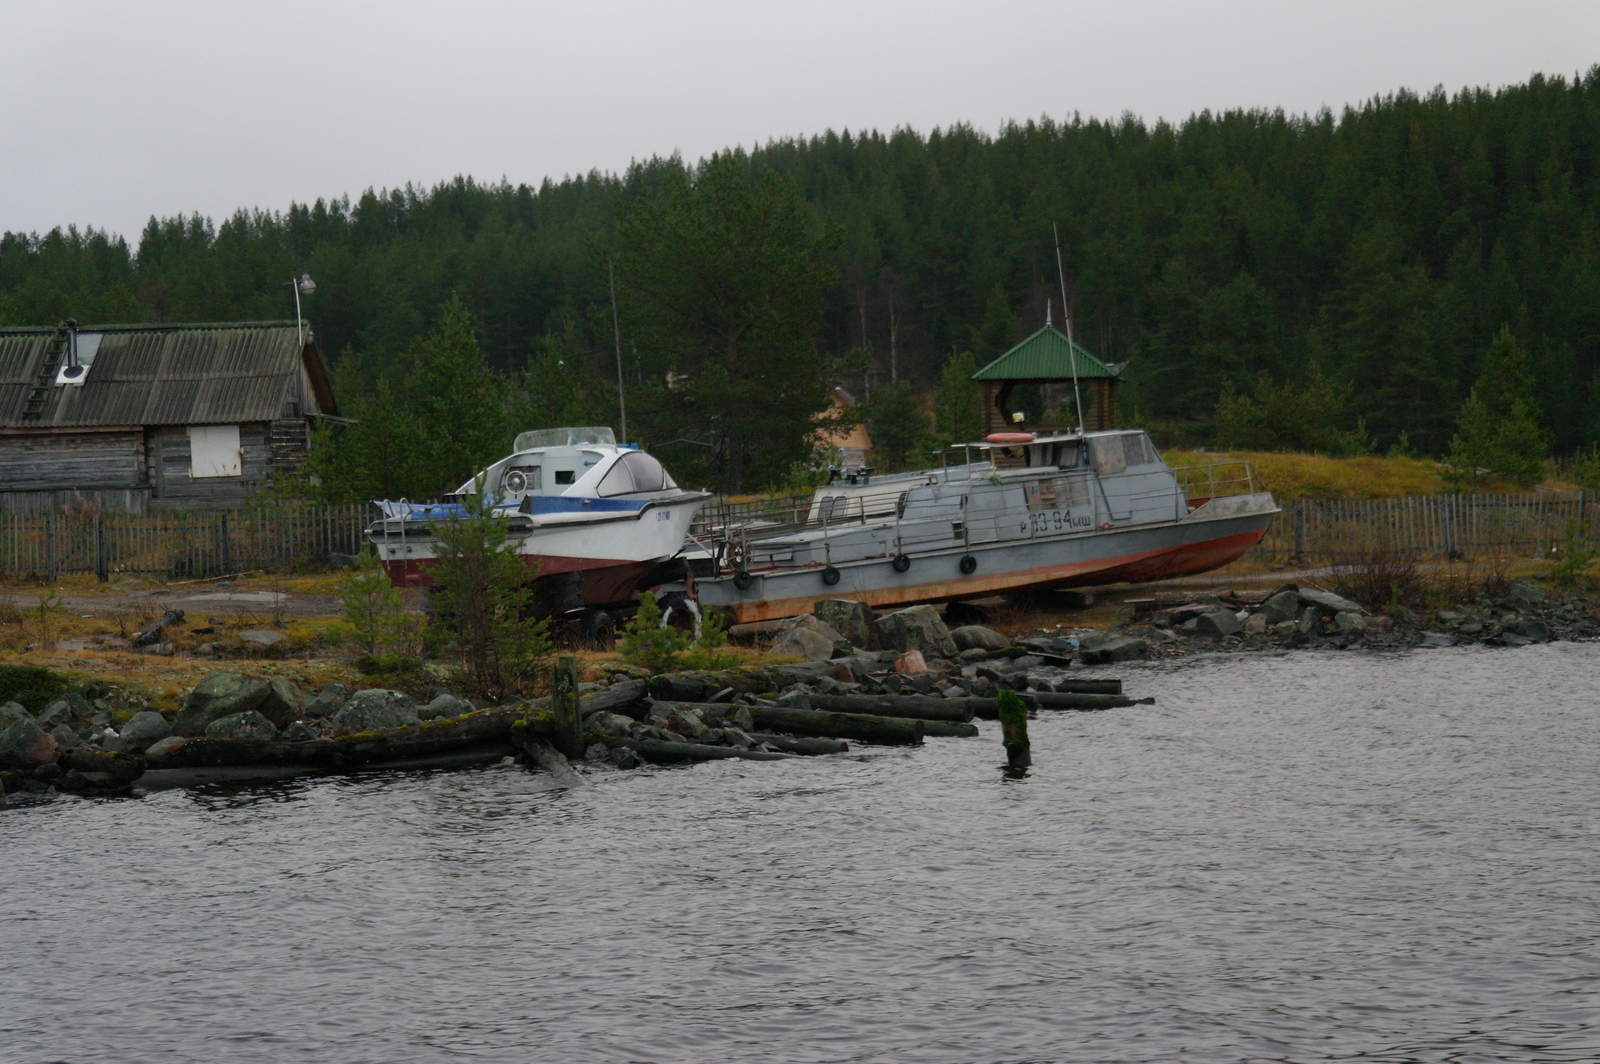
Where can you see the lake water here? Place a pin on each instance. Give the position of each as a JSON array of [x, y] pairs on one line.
[[1311, 857]]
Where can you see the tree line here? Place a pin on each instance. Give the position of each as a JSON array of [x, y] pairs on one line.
[[1353, 269]]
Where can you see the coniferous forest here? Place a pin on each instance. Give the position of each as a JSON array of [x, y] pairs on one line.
[[1364, 261]]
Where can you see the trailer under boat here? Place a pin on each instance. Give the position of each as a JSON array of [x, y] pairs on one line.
[[595, 520], [1021, 513]]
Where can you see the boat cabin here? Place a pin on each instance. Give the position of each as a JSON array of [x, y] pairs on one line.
[[584, 463]]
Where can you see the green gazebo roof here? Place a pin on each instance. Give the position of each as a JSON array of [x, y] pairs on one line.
[[1047, 355]]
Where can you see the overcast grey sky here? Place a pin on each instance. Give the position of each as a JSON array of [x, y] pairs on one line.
[[112, 112]]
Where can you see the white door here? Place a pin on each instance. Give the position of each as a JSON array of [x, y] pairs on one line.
[[214, 451]]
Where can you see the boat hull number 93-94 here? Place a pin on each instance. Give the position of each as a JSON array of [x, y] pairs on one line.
[[1054, 521]]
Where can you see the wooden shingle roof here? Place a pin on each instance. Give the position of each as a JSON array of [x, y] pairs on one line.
[[162, 375]]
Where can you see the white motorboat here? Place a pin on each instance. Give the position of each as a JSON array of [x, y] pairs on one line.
[[599, 520]]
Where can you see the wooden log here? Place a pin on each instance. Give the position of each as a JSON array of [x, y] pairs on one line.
[[123, 768], [666, 752], [866, 728], [914, 707], [1090, 687], [945, 729], [526, 738], [808, 746], [1064, 700]]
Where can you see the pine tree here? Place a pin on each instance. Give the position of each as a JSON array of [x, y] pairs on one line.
[[1497, 430]]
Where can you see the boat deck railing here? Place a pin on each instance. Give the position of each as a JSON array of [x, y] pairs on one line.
[[1217, 479]]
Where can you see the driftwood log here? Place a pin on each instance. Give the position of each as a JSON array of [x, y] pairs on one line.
[[662, 751], [809, 746], [914, 707], [527, 737], [866, 728]]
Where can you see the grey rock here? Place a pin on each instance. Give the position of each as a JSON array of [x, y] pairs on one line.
[[1284, 606], [283, 704], [597, 752], [1348, 621], [261, 639], [222, 694], [918, 628], [737, 737], [298, 732], [151, 636], [797, 697], [852, 620], [1438, 639], [1526, 593], [805, 644], [622, 757], [160, 650], [247, 725], [1528, 628], [1284, 629], [1310, 622], [161, 749], [1328, 601], [743, 720], [1511, 639], [967, 657], [1217, 624], [325, 703], [1125, 649], [375, 709], [14, 711], [58, 712], [25, 745], [608, 723], [444, 707], [65, 737], [977, 637], [142, 730], [1256, 625]]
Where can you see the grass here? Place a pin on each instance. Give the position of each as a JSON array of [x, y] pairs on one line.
[[1313, 476]]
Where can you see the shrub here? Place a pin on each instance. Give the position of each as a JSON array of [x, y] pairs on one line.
[[31, 685], [646, 641], [374, 616]]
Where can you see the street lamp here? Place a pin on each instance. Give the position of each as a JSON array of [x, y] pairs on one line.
[[303, 287]]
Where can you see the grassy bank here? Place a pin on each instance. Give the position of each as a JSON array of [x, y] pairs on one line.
[[1313, 476]]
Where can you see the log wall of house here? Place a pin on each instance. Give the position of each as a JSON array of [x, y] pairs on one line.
[[288, 441], [169, 458], [72, 460]]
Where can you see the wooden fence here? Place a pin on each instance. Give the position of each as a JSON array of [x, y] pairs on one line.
[[1324, 531], [180, 544]]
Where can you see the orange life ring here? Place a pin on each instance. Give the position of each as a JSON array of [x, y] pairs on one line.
[[1009, 437]]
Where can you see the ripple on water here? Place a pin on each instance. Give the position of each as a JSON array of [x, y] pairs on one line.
[[1298, 858]]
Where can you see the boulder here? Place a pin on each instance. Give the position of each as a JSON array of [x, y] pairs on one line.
[[57, 712], [25, 745], [1283, 606], [977, 637], [811, 622], [284, 704], [261, 640], [609, 724], [1214, 624], [1310, 622], [1526, 593], [1349, 621], [163, 748], [160, 650], [805, 644], [1256, 625], [444, 707], [852, 620], [911, 663], [1438, 639], [248, 725], [1329, 602], [917, 628], [325, 703], [143, 729], [373, 710], [13, 711], [223, 694], [1530, 629], [1125, 649], [65, 737], [298, 732]]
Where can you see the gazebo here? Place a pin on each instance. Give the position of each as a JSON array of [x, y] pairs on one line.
[[1047, 359]]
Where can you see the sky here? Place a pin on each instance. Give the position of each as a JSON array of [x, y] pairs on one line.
[[113, 112]]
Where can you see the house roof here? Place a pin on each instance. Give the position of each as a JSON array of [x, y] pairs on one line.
[[162, 375], [1047, 355]]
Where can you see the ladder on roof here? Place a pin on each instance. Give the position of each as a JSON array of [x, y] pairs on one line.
[[45, 378]]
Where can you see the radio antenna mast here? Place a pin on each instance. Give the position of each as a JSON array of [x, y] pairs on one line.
[[1066, 317], [616, 334]]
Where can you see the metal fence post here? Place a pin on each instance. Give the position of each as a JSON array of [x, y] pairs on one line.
[[102, 559], [1299, 533], [226, 555]]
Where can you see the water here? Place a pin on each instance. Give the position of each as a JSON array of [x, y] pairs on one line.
[[1312, 857]]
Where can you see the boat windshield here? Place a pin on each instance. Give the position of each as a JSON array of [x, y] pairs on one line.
[[634, 471]]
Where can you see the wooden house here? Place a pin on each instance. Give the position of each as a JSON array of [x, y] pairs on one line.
[[135, 418], [1050, 360]]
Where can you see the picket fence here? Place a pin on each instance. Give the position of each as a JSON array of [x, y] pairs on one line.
[[1331, 531], [180, 545]]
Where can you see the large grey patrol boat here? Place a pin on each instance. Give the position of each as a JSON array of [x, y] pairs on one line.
[[1020, 512]]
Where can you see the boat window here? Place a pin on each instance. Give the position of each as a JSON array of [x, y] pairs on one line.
[[1136, 445], [635, 471], [519, 479], [563, 476], [833, 508], [1109, 457]]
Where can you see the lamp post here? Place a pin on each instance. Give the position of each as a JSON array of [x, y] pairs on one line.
[[303, 287]]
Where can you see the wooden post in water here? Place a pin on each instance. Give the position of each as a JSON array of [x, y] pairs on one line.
[[1014, 730], [564, 701]]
